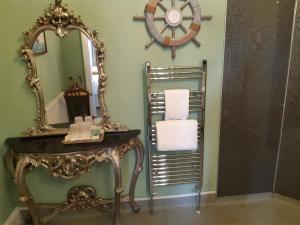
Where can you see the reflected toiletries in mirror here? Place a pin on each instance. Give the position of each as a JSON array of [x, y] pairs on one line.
[[68, 75]]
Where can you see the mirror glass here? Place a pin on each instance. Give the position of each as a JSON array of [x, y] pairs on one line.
[[68, 74]]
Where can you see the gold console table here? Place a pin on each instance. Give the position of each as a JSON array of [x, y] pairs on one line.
[[70, 162]]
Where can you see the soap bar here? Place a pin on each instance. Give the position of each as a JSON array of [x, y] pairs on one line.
[[95, 130]]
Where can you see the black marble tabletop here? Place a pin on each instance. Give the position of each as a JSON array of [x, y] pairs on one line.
[[54, 145]]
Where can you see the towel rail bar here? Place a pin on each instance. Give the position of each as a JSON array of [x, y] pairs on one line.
[[192, 92], [174, 155], [176, 179], [174, 78], [162, 172], [162, 103], [162, 107], [176, 183], [170, 164], [153, 125], [174, 176], [174, 73], [175, 159], [163, 112], [159, 101], [176, 68], [170, 168]]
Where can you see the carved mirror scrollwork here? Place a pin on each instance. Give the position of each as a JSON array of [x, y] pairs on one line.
[[59, 20]]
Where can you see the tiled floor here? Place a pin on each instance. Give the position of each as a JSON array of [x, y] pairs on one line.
[[229, 211]]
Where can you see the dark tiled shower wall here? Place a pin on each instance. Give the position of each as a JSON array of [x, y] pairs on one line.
[[257, 46], [288, 173]]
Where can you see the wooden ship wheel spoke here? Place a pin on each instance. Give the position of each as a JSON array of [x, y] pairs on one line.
[[173, 18]]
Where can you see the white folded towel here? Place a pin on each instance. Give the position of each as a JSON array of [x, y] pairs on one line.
[[177, 104], [177, 135]]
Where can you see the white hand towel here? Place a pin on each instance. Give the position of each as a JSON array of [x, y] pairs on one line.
[[177, 104], [177, 135]]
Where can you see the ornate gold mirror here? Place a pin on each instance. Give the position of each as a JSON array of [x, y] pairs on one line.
[[63, 55]]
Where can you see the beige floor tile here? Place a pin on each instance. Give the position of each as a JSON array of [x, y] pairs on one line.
[[253, 212]]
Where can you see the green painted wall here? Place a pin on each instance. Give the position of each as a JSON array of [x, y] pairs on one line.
[[124, 40], [7, 196], [50, 68]]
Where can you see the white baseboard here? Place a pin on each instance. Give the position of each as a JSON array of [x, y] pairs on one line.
[[14, 218]]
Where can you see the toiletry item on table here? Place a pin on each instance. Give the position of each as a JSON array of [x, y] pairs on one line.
[[177, 135], [97, 121], [85, 131]]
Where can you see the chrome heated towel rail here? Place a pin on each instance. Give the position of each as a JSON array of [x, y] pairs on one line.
[[178, 167]]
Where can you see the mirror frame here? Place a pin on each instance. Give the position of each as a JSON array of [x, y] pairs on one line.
[[59, 19]]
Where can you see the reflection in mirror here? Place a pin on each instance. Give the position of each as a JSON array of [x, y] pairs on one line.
[[68, 76]]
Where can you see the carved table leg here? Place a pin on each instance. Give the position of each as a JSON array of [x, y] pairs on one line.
[[118, 184], [9, 163], [24, 193], [139, 158]]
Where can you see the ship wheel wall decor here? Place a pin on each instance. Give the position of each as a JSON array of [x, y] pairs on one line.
[[173, 19]]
